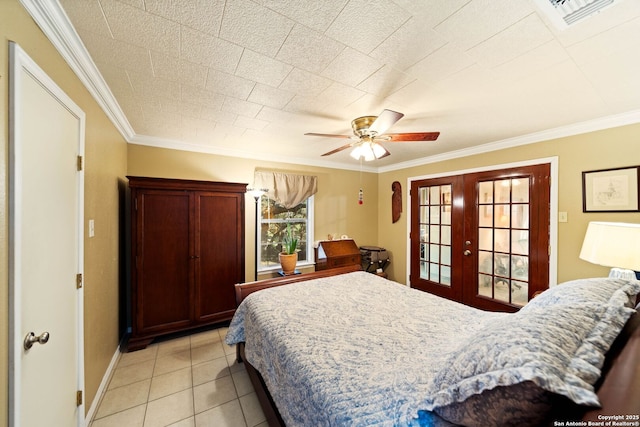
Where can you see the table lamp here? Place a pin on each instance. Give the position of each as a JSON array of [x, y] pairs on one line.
[[613, 244]]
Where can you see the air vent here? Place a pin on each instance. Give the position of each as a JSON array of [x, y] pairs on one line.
[[564, 13]]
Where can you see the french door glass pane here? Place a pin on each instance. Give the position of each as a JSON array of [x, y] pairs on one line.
[[520, 192], [445, 234], [446, 215], [486, 216], [435, 233], [520, 242], [434, 236], [520, 294], [484, 286], [503, 240], [502, 191], [485, 262], [434, 275], [501, 289], [445, 277], [520, 216], [445, 255], [434, 252], [485, 239], [485, 192]]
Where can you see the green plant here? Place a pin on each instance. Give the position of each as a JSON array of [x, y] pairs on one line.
[[289, 243]]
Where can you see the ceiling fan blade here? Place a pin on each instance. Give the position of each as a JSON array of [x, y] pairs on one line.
[[344, 147], [329, 135], [412, 136], [386, 153], [385, 120]]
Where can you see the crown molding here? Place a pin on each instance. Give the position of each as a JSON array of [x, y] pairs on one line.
[[171, 144], [54, 23], [608, 122]]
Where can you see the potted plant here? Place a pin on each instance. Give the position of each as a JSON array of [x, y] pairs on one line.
[[289, 255]]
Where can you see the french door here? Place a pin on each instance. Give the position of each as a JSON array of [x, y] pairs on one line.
[[482, 238]]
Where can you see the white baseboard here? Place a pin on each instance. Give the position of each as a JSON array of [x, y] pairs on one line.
[[103, 386]]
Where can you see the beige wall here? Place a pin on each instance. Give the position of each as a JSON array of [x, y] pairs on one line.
[[336, 203], [611, 148], [105, 167]]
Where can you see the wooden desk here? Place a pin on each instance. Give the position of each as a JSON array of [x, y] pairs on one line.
[[336, 253]]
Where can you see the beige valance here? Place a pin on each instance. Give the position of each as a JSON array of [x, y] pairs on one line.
[[287, 189]]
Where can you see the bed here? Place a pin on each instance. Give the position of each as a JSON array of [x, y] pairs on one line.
[[345, 348]]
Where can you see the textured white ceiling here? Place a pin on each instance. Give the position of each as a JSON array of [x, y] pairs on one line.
[[249, 78]]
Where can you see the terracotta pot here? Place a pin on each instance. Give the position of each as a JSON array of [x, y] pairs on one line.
[[288, 262]]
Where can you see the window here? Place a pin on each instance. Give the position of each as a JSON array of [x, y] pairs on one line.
[[273, 226]]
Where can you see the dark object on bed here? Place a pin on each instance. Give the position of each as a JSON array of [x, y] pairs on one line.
[[617, 390]]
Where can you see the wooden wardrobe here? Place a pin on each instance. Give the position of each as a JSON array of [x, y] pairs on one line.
[[187, 252]]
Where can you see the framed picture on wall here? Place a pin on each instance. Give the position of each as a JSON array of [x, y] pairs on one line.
[[611, 190]]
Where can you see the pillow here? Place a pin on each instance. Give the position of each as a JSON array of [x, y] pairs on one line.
[[599, 290], [522, 404], [556, 346]]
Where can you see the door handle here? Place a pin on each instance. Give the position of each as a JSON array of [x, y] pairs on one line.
[[467, 252], [31, 339]]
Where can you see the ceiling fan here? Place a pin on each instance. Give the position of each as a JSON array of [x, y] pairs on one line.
[[370, 130]]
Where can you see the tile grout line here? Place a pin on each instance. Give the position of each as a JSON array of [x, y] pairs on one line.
[[157, 354]]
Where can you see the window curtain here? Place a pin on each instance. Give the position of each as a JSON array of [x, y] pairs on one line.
[[287, 189]]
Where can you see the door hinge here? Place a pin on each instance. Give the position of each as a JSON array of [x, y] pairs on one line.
[[78, 397], [79, 163], [78, 280]]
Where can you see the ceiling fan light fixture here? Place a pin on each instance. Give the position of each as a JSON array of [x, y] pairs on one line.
[[368, 150], [378, 150], [368, 130], [356, 152]]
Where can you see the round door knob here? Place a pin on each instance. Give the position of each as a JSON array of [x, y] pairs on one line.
[[31, 339], [467, 252]]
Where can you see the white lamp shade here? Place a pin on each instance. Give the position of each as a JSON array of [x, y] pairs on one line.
[[378, 150], [256, 192], [612, 244], [368, 151]]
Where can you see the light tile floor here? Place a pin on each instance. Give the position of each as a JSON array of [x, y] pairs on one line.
[[191, 381]]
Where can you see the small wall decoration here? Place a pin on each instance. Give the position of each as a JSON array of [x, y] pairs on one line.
[[396, 201], [611, 190]]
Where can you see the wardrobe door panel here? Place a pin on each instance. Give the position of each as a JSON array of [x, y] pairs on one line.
[[164, 296], [220, 262]]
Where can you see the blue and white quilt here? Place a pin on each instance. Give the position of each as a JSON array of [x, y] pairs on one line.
[[360, 350], [353, 349]]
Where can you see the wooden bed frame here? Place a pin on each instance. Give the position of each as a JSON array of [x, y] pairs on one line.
[[618, 389]]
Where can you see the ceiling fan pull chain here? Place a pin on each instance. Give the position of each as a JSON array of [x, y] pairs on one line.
[[360, 192]]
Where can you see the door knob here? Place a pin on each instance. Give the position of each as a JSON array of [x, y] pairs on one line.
[[467, 252], [31, 339]]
